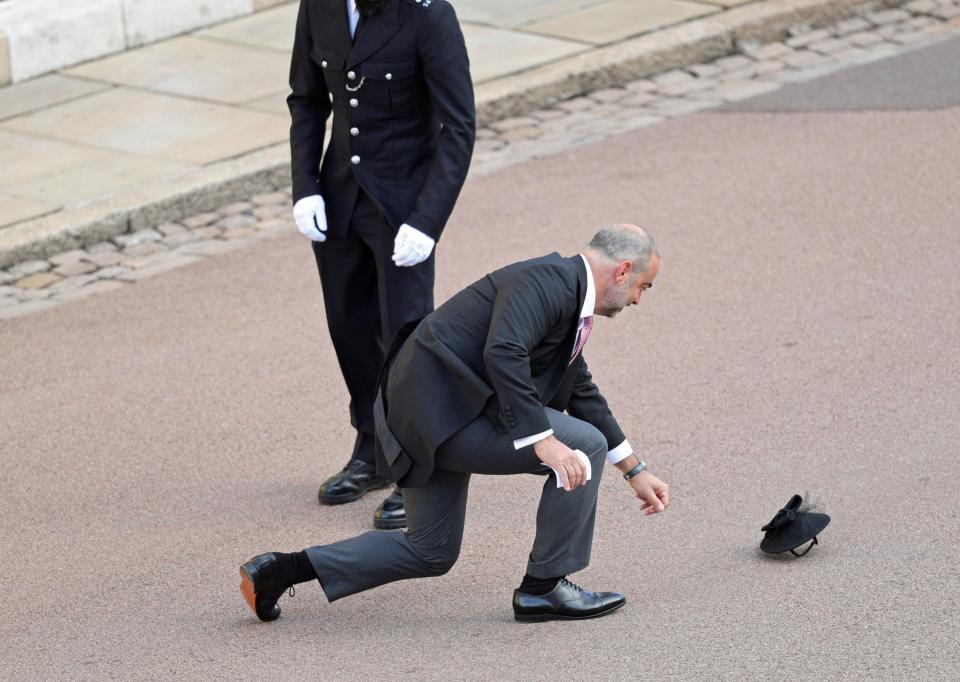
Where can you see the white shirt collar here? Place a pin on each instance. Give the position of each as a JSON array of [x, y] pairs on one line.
[[590, 302], [353, 17]]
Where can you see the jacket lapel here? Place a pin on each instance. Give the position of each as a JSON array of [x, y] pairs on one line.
[[377, 30], [581, 269], [337, 25], [562, 362]]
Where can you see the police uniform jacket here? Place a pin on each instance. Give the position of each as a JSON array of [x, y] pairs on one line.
[[403, 111]]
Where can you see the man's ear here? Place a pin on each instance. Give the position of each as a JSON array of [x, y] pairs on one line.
[[623, 271]]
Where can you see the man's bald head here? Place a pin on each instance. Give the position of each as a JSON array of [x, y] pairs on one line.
[[625, 242], [624, 261]]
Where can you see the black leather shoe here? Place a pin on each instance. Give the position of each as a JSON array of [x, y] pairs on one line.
[[390, 514], [566, 601], [355, 481], [261, 586]]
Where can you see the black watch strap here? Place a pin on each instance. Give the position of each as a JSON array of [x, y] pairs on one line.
[[642, 466]]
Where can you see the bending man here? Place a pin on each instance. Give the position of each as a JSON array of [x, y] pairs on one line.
[[494, 382]]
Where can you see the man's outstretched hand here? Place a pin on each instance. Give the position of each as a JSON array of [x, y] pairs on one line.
[[650, 490]]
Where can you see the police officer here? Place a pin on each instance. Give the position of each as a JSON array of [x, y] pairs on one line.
[[395, 76]]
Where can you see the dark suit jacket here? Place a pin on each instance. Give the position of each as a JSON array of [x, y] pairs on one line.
[[410, 125], [500, 347]]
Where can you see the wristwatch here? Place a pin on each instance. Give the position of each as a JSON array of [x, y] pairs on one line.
[[642, 466]]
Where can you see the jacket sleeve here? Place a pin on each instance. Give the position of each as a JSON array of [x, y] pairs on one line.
[[309, 104], [528, 305], [588, 404], [446, 71]]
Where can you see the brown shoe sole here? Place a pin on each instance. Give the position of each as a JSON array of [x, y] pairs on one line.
[[246, 589]]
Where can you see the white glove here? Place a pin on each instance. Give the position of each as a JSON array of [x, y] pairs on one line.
[[411, 247], [310, 214]]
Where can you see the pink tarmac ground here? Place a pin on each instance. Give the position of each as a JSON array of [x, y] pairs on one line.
[[802, 336]]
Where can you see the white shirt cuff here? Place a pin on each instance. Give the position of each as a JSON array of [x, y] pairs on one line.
[[530, 440], [620, 453]]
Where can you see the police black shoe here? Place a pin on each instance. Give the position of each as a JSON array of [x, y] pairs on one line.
[[566, 601], [261, 586], [355, 481], [390, 515]]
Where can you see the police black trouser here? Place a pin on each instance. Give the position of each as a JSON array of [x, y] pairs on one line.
[[367, 298]]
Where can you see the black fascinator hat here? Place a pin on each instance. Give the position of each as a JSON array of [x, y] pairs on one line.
[[792, 527]]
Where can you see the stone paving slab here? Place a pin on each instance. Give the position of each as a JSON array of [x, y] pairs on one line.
[[154, 125], [494, 51], [272, 29], [54, 173], [725, 3], [44, 92], [513, 14], [617, 20], [275, 103], [194, 67], [149, 251], [148, 21], [13, 208]]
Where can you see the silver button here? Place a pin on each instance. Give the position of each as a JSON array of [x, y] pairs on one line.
[[389, 76], [354, 131], [354, 160], [324, 63], [351, 75], [354, 103]]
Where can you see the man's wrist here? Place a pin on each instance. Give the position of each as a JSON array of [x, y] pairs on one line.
[[635, 471], [620, 453], [627, 463]]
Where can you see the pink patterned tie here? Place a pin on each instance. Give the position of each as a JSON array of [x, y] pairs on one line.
[[584, 334]]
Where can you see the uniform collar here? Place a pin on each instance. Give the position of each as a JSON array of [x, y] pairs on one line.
[[378, 29], [590, 301]]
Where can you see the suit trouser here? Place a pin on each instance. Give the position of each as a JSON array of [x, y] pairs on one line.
[[436, 513], [367, 298]]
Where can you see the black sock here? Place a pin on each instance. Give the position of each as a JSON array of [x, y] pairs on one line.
[[531, 585], [295, 568]]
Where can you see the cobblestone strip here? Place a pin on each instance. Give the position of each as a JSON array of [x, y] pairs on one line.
[[40, 284], [804, 54]]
